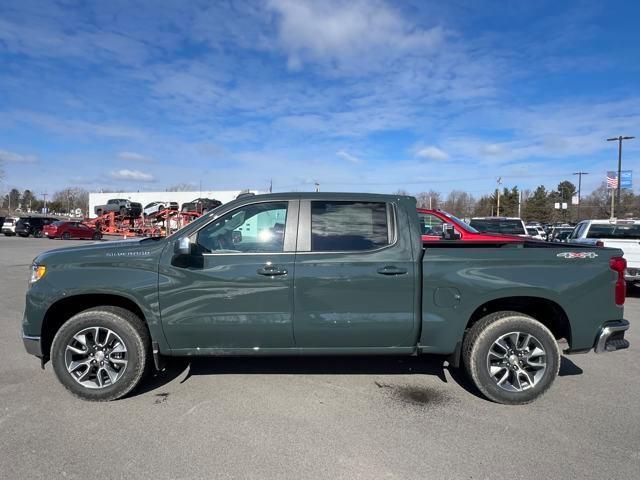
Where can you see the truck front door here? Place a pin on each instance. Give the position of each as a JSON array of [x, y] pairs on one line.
[[235, 291], [354, 285]]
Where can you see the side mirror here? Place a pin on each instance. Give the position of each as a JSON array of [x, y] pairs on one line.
[[449, 232], [182, 246]]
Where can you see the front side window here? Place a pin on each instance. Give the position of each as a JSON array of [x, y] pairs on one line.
[[338, 226], [430, 224], [256, 228]]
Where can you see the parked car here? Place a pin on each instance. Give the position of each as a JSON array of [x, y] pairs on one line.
[[536, 232], [200, 205], [155, 207], [364, 283], [9, 226], [123, 207], [562, 236], [67, 230], [508, 225], [559, 234], [26, 226], [436, 225], [622, 234]]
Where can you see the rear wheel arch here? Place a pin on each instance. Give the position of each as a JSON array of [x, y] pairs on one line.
[[65, 308], [545, 311]]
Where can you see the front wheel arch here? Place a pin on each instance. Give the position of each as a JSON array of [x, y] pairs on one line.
[[62, 310]]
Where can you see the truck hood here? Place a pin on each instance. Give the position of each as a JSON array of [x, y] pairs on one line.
[[106, 251]]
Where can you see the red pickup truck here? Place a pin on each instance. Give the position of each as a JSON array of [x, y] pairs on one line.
[[438, 225]]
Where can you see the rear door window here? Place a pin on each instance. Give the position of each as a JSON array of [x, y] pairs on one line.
[[614, 231], [344, 226]]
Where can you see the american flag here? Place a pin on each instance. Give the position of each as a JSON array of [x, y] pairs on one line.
[[612, 180]]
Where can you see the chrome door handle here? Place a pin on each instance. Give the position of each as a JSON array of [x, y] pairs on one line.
[[391, 270], [271, 271]]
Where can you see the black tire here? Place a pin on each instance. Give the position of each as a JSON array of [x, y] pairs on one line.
[[123, 212], [23, 235], [480, 339], [97, 236], [37, 234], [128, 327], [66, 236]]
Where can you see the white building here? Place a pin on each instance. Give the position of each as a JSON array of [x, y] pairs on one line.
[[147, 197]]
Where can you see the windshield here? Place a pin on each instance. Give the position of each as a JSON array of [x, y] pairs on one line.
[[502, 225], [464, 225]]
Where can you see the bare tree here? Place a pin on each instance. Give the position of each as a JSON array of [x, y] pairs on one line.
[[430, 199]]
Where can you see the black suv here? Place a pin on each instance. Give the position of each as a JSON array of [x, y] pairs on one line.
[[26, 226], [200, 205]]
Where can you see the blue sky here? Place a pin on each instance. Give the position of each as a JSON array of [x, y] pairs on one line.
[[360, 95]]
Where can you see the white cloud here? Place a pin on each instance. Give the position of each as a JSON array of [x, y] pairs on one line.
[[11, 157], [132, 175], [343, 154], [432, 153], [493, 149], [351, 34], [134, 157]]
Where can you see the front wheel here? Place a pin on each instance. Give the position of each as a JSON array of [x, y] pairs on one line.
[[511, 357], [37, 234], [66, 236], [100, 354]]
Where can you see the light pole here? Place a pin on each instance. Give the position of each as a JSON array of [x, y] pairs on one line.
[[499, 180], [580, 188], [619, 139]]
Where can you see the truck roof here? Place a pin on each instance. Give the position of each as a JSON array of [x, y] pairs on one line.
[[326, 196]]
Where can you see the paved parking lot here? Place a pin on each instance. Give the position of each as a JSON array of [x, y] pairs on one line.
[[311, 418]]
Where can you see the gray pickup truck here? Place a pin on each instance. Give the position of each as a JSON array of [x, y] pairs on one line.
[[321, 274], [120, 206]]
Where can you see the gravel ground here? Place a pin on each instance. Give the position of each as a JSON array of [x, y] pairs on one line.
[[311, 418]]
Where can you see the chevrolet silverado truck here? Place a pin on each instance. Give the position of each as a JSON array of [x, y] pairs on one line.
[[321, 274], [121, 206]]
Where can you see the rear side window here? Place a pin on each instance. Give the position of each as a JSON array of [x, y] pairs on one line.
[[345, 226], [513, 227], [614, 231]]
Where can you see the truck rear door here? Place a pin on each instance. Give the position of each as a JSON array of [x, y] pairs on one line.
[[355, 276]]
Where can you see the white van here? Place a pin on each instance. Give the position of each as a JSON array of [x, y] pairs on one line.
[[622, 234]]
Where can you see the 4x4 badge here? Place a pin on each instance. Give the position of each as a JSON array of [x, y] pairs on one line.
[[578, 255]]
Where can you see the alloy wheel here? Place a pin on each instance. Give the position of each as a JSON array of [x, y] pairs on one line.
[[96, 357], [517, 361]]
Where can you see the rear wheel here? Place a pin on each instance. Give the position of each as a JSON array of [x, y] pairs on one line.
[[511, 357], [37, 234], [101, 354], [66, 236], [96, 236]]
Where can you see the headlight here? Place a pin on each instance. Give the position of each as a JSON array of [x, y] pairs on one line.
[[37, 272]]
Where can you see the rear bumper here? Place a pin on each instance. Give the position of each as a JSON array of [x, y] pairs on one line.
[[611, 337], [632, 274], [32, 345]]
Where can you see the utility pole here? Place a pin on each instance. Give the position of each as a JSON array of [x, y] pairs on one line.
[[498, 190], [44, 197], [579, 189], [619, 139]]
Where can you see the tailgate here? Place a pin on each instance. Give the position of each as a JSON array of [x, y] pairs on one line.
[[630, 247]]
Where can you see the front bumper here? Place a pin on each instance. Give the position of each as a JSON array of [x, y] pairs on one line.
[[32, 345], [611, 337]]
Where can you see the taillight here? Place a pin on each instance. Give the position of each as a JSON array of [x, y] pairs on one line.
[[619, 264], [599, 243]]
